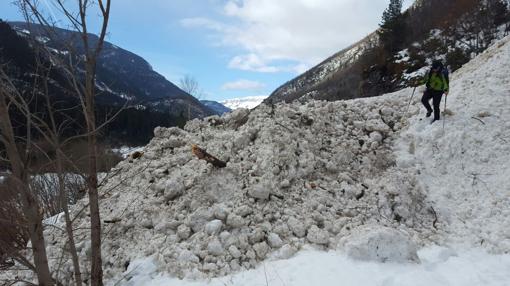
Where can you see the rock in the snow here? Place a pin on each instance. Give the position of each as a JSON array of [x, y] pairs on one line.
[[381, 244], [317, 235]]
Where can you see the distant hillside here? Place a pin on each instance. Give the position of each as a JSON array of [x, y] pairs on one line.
[[122, 73], [122, 77], [454, 31]]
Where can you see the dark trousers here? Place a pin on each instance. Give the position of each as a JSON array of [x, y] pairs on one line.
[[436, 101]]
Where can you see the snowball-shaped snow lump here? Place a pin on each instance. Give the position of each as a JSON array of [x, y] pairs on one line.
[[381, 244]]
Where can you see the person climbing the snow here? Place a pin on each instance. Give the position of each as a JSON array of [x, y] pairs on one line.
[[437, 84]]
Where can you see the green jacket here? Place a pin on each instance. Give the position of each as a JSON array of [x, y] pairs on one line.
[[436, 82]]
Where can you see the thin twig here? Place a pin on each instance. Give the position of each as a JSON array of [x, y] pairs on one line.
[[476, 118]]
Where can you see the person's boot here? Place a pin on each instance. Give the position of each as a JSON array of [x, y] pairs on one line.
[[429, 113], [433, 120]]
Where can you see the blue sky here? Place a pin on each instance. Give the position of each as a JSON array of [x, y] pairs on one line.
[[235, 48]]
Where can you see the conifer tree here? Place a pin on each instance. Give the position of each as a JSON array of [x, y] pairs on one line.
[[392, 30]]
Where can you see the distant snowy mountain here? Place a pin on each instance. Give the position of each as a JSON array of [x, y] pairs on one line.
[[215, 106], [244, 102]]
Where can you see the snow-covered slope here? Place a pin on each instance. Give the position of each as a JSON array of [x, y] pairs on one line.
[[466, 168], [324, 71], [361, 178], [244, 102]]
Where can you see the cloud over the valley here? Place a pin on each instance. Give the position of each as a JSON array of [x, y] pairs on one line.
[[243, 84], [290, 35]]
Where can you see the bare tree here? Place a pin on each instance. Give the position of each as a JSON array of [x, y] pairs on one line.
[[20, 183], [81, 74], [190, 85]]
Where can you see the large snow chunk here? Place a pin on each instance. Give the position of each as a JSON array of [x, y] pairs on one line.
[[259, 191], [213, 227], [317, 235], [174, 189], [380, 244]]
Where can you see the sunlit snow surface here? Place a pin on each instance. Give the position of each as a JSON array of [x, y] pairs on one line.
[[244, 102], [440, 266]]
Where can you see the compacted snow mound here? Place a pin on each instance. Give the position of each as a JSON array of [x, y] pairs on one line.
[[296, 175], [380, 244]]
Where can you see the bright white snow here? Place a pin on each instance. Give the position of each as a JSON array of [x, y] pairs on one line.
[[440, 267], [466, 168], [244, 102]]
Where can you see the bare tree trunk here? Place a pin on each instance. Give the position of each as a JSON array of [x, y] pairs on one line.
[[29, 202], [67, 217], [90, 117], [95, 220]]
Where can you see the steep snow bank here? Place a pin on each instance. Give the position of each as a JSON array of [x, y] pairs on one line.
[[466, 169]]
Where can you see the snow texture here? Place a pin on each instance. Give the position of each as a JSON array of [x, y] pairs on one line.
[[381, 244], [465, 169], [440, 266], [316, 175]]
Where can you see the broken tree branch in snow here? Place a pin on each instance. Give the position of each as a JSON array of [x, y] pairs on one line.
[[203, 155], [476, 118], [435, 217]]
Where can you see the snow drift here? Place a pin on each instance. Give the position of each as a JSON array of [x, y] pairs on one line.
[[313, 174]]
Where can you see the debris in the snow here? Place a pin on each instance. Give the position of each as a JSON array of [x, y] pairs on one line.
[[136, 155], [203, 155]]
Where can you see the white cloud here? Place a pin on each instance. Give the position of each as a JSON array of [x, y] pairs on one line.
[[251, 62], [303, 32], [243, 84], [200, 22]]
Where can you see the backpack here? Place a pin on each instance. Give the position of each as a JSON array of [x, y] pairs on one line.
[[442, 70]]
